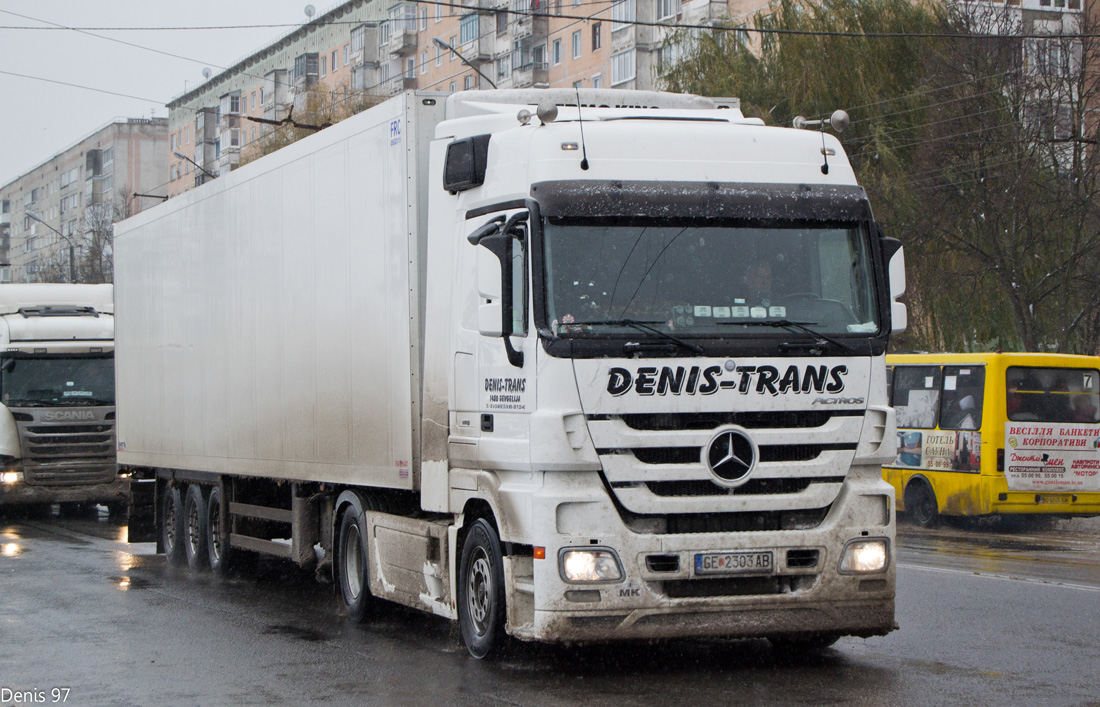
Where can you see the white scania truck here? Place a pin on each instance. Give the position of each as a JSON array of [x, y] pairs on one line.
[[563, 373], [57, 397]]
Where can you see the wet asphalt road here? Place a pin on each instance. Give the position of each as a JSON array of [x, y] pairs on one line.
[[986, 617]]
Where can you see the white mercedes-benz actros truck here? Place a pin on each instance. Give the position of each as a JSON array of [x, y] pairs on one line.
[[560, 366], [57, 397]]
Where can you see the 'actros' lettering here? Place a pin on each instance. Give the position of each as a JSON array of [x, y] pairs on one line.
[[707, 380]]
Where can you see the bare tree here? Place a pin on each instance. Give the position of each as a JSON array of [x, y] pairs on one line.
[[1006, 241]]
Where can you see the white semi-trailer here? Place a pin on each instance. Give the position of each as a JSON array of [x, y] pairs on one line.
[[562, 374], [57, 397]]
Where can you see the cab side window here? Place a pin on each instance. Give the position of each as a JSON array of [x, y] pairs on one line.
[[916, 396], [963, 393]]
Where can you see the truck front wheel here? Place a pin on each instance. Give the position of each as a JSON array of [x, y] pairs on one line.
[[352, 566], [481, 591], [171, 526]]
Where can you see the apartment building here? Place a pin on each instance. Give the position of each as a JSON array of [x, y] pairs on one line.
[[322, 66], [363, 51], [65, 205]]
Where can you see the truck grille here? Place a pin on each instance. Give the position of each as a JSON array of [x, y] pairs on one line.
[[654, 465], [67, 452]]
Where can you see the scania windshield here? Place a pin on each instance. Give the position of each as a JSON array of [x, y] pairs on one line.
[[701, 280], [57, 380]]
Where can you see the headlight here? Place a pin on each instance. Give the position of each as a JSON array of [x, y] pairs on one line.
[[11, 477], [590, 565], [863, 557]]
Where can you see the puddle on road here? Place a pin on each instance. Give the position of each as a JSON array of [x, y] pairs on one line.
[[125, 583], [304, 634]]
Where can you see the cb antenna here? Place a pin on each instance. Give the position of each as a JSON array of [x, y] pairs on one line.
[[580, 121]]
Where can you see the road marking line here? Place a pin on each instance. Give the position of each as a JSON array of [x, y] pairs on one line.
[[1006, 578]]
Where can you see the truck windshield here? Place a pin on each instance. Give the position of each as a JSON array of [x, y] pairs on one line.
[[57, 381], [707, 280]]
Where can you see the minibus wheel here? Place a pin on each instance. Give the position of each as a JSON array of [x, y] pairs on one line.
[[921, 505]]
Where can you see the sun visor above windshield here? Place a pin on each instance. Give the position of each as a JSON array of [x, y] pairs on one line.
[[701, 200]]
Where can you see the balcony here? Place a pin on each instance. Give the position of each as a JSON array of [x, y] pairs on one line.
[[530, 74], [530, 25], [402, 41]]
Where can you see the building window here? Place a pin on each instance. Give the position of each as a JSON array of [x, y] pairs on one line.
[[454, 87], [622, 67], [577, 44], [468, 29], [555, 52], [597, 81], [504, 66], [347, 51], [468, 83], [384, 33], [423, 18], [502, 23], [438, 55], [439, 12], [410, 68], [578, 84], [667, 9], [622, 15], [358, 37], [424, 61], [108, 156], [324, 65], [305, 65], [332, 66], [597, 39], [253, 101], [453, 42]]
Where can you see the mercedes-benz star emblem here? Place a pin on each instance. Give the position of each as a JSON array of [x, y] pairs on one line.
[[731, 455]]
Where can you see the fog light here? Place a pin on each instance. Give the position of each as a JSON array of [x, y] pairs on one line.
[[590, 565], [863, 557], [11, 477]]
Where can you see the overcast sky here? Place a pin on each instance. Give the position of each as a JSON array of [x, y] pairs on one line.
[[39, 119]]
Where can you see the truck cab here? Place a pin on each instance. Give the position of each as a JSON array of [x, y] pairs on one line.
[[57, 397]]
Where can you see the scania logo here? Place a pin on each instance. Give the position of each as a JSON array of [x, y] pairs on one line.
[[731, 456], [68, 415]]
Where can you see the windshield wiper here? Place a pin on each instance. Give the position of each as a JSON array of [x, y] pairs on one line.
[[647, 326], [804, 327]]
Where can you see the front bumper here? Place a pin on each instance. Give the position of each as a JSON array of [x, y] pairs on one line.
[[20, 493], [660, 596]]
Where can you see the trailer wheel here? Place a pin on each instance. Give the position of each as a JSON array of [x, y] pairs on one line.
[[217, 537], [920, 504], [171, 526], [194, 528], [481, 591], [352, 559]]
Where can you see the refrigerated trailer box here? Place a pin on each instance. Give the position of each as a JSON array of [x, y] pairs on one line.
[[561, 372]]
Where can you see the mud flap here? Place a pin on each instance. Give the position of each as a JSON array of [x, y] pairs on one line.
[[141, 518]]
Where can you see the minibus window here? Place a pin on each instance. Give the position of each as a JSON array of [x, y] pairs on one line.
[[963, 392], [1052, 394], [916, 396]]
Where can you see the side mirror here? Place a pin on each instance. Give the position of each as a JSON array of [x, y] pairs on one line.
[[896, 273], [490, 309], [496, 278]]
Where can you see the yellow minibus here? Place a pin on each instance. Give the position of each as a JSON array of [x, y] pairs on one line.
[[995, 433]]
